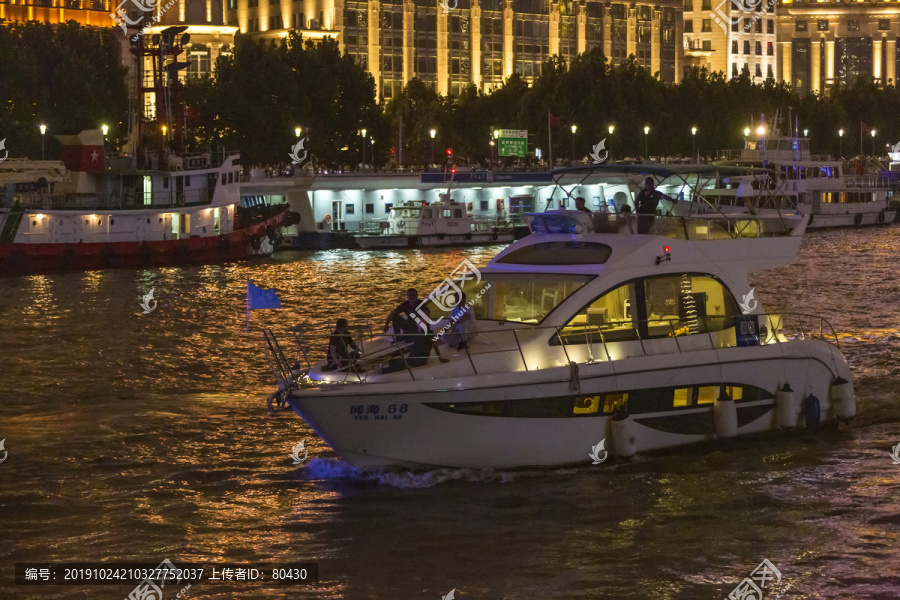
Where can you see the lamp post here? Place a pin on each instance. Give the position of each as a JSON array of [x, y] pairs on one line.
[[574, 128], [806, 133], [761, 132], [841, 143], [363, 133], [43, 131], [873, 142], [694, 144], [373, 152], [496, 143], [611, 129], [432, 133], [646, 142]]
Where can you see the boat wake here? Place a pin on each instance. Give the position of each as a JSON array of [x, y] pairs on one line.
[[331, 469]]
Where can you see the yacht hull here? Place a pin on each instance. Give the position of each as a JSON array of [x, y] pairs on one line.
[[527, 419]]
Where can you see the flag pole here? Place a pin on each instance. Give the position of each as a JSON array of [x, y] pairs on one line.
[[549, 141], [248, 304]]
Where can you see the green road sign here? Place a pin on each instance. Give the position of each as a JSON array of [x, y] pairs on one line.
[[513, 142]]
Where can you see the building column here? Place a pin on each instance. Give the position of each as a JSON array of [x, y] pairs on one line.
[[374, 58], [631, 43], [815, 65], [654, 41], [507, 38], [409, 29], [581, 21], [786, 54], [475, 43], [829, 61], [554, 28], [890, 69], [679, 46], [876, 59], [443, 59], [607, 33]]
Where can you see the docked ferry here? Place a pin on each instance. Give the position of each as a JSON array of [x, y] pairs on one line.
[[620, 341], [88, 212], [445, 223], [814, 185]]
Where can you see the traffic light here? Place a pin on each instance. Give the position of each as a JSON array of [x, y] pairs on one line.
[[449, 152]]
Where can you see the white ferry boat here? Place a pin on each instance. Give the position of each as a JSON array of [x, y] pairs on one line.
[[814, 185], [584, 343], [445, 223]]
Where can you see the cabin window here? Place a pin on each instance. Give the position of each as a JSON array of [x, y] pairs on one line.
[[446, 212], [614, 403], [519, 297], [426, 213], [351, 209], [609, 318], [406, 213], [683, 397], [685, 304], [223, 178], [457, 213], [707, 394], [559, 253], [370, 209], [388, 206], [586, 405], [230, 177], [165, 183], [484, 205], [187, 181]]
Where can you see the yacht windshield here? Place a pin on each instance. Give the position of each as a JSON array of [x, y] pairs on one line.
[[406, 213], [522, 297]]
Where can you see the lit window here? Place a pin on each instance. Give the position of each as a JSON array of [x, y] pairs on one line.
[[708, 394], [682, 397]]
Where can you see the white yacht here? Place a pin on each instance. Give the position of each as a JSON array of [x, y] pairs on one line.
[[444, 223], [586, 343], [814, 185]]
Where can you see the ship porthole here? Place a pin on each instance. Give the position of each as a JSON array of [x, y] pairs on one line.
[[34, 223], [112, 221]]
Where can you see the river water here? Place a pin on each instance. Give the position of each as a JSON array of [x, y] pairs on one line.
[[140, 437]]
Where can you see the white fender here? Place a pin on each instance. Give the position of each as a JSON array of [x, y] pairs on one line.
[[624, 434], [786, 407], [725, 414], [843, 399]]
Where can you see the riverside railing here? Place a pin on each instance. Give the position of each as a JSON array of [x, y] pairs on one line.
[[580, 344]]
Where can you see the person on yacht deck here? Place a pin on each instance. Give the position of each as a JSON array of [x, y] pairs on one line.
[[462, 325], [646, 204], [401, 318], [339, 346], [418, 352], [579, 205]]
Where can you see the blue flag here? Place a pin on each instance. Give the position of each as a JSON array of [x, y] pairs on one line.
[[260, 298]]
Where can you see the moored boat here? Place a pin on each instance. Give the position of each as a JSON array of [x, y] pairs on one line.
[[645, 341]]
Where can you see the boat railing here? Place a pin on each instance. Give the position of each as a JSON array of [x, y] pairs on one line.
[[718, 227], [580, 344], [137, 200]]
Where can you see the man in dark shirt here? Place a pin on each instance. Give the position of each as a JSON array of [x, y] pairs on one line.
[[401, 317], [579, 205], [646, 204]]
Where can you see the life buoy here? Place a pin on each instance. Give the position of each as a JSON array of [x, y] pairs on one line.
[[881, 217], [857, 219], [327, 220], [401, 223]]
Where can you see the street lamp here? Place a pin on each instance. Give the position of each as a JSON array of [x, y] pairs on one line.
[[373, 153], [646, 142], [496, 142], [43, 131], [873, 142], [363, 133], [105, 128], [609, 150], [297, 131], [574, 129], [432, 133], [746, 131], [806, 133], [693, 144], [841, 143]]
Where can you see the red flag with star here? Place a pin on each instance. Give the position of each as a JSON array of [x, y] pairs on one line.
[[83, 152]]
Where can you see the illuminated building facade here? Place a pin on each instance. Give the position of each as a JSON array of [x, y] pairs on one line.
[[830, 42], [730, 36], [479, 41]]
